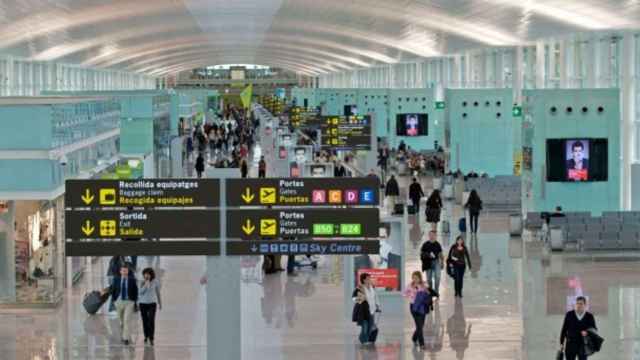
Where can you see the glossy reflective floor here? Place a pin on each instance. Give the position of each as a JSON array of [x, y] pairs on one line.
[[514, 302]]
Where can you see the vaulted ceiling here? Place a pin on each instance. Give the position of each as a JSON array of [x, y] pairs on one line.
[[312, 37]]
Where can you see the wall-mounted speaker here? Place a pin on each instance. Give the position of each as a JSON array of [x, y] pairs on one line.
[[569, 109], [585, 109], [600, 109], [553, 110]]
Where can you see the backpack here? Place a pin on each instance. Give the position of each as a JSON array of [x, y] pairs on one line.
[[422, 303]]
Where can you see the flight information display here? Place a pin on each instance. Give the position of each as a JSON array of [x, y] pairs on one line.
[[346, 132]]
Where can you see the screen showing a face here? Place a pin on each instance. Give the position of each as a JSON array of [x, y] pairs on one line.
[[318, 171], [350, 110], [301, 155], [412, 124], [577, 160]]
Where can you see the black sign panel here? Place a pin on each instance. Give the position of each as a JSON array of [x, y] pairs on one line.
[[172, 224], [338, 247], [346, 133], [142, 248], [303, 223], [303, 192], [142, 193]]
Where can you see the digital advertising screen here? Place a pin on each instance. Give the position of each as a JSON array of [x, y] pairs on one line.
[[577, 160], [412, 124], [350, 110]]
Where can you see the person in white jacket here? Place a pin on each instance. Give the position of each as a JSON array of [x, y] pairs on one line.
[[366, 286]]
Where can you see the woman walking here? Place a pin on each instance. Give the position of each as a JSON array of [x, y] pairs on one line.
[[149, 300], [474, 205], [421, 302], [434, 206], [458, 258]]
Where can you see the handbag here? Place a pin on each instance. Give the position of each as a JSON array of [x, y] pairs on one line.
[[560, 355], [451, 271]]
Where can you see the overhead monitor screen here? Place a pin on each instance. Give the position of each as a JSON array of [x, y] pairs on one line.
[[350, 110], [412, 124]]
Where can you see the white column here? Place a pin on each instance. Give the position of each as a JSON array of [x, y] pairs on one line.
[[627, 77], [518, 75], [540, 65], [565, 69]]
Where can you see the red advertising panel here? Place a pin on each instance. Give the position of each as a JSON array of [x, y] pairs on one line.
[[383, 278]]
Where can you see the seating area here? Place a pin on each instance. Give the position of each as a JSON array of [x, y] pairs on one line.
[[619, 230], [500, 193]]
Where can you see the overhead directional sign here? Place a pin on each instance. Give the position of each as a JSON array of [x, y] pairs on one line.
[[325, 247], [303, 192], [142, 193], [346, 132], [148, 248], [303, 223], [172, 224]]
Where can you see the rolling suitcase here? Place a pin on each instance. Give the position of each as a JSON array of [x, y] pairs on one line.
[[411, 210], [445, 226], [93, 301], [398, 209], [462, 225]]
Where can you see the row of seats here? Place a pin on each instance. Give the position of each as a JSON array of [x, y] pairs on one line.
[[500, 192], [612, 231]]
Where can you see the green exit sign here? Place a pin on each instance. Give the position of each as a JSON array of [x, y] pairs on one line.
[[350, 229], [322, 229], [517, 111], [440, 105]]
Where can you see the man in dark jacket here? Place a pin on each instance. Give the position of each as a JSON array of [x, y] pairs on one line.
[[392, 191], [415, 193], [124, 292], [574, 329]]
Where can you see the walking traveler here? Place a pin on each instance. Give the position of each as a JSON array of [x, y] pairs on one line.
[[124, 292], [474, 205], [458, 258], [149, 300], [391, 192], [200, 165], [244, 168], [415, 194], [262, 168], [369, 328], [421, 303], [434, 207], [432, 259], [575, 328]]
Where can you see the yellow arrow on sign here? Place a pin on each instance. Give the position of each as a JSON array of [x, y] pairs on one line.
[[87, 229], [247, 196], [87, 197], [248, 228]]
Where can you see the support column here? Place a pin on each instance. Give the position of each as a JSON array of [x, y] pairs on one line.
[[627, 89], [540, 65], [224, 335], [518, 75]]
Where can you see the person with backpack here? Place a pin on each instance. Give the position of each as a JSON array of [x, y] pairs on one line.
[[421, 303], [474, 205], [367, 292], [458, 259]]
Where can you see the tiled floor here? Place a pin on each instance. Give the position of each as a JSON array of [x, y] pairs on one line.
[[513, 306]]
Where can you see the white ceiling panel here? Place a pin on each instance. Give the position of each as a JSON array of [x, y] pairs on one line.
[[160, 37]]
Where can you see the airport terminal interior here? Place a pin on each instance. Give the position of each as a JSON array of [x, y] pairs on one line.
[[312, 180]]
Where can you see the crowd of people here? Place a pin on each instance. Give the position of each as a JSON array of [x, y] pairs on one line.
[[224, 143]]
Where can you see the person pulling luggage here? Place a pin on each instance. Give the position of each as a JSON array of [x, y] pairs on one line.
[[365, 292], [124, 292]]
